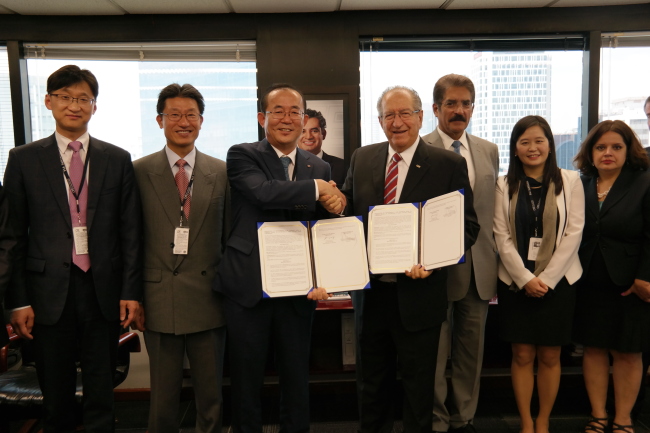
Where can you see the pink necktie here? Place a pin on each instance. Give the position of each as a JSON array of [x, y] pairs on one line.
[[76, 171], [390, 185], [181, 183]]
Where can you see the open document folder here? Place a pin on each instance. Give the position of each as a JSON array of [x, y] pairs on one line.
[[297, 256], [431, 233]]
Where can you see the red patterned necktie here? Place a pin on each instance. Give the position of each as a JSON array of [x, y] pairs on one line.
[[76, 172], [390, 185], [181, 183]]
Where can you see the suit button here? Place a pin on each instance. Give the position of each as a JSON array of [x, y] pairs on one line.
[[204, 273], [175, 273], [66, 265], [171, 245]]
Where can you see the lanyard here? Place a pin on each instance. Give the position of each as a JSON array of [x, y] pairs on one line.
[[81, 183], [187, 194], [535, 207]]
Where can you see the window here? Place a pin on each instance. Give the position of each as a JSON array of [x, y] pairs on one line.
[[506, 84], [6, 116], [130, 78], [624, 84]]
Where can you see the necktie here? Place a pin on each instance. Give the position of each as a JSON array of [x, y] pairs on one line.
[[456, 145], [390, 185], [181, 183], [286, 161], [76, 172]]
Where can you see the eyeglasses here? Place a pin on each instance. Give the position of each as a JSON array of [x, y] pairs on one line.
[[67, 100], [175, 117], [281, 114], [404, 115], [451, 104]]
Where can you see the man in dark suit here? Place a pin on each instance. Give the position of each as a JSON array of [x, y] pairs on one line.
[[77, 275], [183, 313], [271, 180], [398, 320], [312, 138], [7, 243]]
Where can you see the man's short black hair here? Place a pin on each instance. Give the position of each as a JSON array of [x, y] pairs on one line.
[[70, 75], [175, 90], [264, 100], [313, 114]]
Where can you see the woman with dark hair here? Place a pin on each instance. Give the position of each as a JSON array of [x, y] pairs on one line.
[[538, 221], [612, 310]]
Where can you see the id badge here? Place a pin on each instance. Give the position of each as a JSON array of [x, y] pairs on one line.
[[80, 240], [181, 240], [533, 248]]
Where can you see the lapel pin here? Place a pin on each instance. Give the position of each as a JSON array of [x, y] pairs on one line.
[[417, 165], [308, 166]]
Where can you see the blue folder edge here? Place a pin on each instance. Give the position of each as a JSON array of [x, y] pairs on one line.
[[462, 259], [306, 223], [360, 217], [259, 225]]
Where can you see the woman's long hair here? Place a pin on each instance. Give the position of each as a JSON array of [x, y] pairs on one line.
[[516, 168]]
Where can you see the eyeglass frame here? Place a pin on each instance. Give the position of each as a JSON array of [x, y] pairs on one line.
[[447, 104], [273, 114], [393, 115], [180, 116], [61, 98]]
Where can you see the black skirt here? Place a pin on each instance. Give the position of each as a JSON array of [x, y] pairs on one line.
[[606, 319], [542, 321]]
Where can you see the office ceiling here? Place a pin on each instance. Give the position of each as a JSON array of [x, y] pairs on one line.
[[126, 7]]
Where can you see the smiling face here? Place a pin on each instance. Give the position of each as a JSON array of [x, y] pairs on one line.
[[401, 133], [312, 136], [609, 153], [455, 113], [182, 133], [532, 151], [71, 119], [283, 134]]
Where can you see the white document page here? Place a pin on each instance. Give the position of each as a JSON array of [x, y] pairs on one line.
[[340, 257], [284, 258], [393, 238], [443, 231]]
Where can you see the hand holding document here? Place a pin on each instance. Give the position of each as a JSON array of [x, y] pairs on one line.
[[297, 256], [430, 233]]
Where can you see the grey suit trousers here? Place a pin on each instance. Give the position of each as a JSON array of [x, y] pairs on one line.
[[205, 351]]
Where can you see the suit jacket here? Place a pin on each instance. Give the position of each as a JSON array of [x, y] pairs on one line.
[[571, 219], [40, 216], [621, 228], [260, 193], [485, 157], [178, 295], [433, 172], [338, 168], [7, 243]]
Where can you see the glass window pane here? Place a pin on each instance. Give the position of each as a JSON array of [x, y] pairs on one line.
[[509, 86], [6, 116], [624, 87], [128, 93]]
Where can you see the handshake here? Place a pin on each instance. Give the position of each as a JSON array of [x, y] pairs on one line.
[[330, 196]]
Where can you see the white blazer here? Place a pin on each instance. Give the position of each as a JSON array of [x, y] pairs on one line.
[[565, 261]]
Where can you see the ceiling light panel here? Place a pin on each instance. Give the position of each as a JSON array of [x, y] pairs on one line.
[[282, 6], [67, 7]]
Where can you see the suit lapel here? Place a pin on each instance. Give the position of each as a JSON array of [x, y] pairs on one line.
[[204, 182], [163, 183], [304, 168], [96, 173], [418, 168], [378, 170], [271, 160], [619, 190], [591, 200], [51, 161], [436, 140]]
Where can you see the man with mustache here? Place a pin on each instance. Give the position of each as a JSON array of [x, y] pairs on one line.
[[472, 284]]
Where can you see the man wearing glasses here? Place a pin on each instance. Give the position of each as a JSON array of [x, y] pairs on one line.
[[77, 275], [182, 248], [398, 320], [271, 180], [472, 284]]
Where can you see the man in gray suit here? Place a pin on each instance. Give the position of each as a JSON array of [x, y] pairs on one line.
[[182, 249], [470, 285]]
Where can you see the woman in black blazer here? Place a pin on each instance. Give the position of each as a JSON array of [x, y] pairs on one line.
[[612, 309]]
